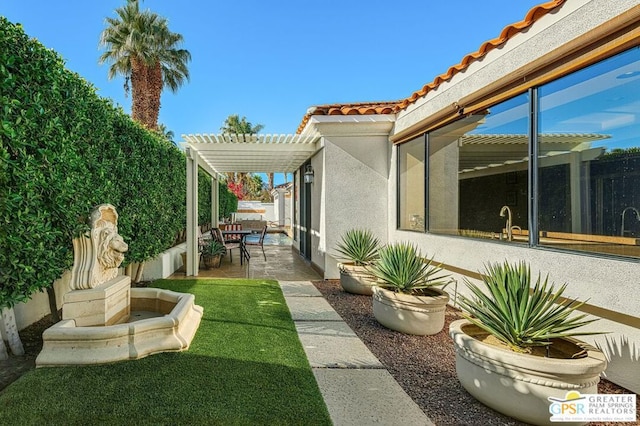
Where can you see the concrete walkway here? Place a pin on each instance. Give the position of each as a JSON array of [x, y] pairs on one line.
[[354, 384]]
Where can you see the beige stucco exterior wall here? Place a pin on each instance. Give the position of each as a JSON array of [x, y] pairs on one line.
[[608, 283], [350, 188]]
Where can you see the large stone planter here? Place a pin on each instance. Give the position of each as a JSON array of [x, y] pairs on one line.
[[419, 315], [517, 384], [355, 279]]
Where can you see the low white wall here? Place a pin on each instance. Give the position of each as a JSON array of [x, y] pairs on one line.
[[38, 306], [164, 264]]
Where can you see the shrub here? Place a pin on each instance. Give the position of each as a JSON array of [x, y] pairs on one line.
[[64, 150]]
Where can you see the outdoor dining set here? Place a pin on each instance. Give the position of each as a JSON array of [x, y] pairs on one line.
[[232, 236]]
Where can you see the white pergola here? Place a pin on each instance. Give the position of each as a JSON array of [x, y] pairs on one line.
[[217, 154]]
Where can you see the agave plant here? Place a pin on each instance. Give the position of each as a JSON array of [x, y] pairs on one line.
[[359, 246], [517, 315], [401, 267]]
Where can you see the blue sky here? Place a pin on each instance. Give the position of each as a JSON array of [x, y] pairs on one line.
[[270, 61]]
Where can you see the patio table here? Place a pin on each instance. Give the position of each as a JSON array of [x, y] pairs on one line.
[[244, 253]]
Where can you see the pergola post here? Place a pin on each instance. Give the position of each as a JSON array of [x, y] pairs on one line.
[[191, 267], [215, 202]]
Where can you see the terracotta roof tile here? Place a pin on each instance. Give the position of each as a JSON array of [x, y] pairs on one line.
[[361, 108], [508, 32], [369, 108]]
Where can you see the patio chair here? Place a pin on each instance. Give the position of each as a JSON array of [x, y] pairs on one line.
[[216, 234], [259, 242]]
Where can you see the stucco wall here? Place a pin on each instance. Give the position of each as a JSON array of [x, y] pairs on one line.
[[356, 179], [317, 209], [608, 283]]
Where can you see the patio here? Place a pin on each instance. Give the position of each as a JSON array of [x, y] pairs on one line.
[[282, 264]]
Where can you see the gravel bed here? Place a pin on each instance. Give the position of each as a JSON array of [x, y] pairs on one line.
[[423, 365]]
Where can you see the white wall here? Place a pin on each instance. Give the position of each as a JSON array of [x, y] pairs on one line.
[[357, 195], [353, 172]]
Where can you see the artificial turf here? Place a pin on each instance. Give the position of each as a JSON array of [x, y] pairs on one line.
[[245, 366]]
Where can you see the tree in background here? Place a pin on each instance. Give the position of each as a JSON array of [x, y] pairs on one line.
[[166, 133], [234, 125], [140, 46], [246, 186]]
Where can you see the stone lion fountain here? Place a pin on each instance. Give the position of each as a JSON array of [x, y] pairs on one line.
[[104, 319]]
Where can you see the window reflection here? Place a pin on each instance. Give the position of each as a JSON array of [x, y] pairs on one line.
[[477, 166], [589, 158], [411, 185], [588, 166]]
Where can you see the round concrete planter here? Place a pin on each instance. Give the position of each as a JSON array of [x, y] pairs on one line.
[[517, 384], [419, 315], [211, 262], [355, 279]]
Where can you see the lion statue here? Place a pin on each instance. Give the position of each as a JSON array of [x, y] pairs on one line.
[[98, 256]]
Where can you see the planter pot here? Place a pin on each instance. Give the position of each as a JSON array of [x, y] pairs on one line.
[[355, 279], [419, 315], [211, 262], [517, 384]]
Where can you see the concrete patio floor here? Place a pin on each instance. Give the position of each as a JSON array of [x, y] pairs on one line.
[[356, 387], [282, 264]]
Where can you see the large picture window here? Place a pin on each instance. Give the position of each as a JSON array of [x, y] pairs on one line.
[[589, 158], [586, 195]]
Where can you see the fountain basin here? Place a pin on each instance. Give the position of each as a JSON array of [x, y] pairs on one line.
[[160, 321]]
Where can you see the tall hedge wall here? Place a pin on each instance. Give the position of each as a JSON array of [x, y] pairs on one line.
[[63, 151]]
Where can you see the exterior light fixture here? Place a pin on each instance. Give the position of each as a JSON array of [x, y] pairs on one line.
[[308, 174]]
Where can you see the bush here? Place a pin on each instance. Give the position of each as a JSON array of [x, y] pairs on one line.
[[64, 150], [227, 199]]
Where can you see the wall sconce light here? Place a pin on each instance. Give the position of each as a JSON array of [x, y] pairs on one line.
[[308, 174]]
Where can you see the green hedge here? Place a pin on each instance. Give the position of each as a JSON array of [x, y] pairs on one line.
[[227, 201], [63, 151]]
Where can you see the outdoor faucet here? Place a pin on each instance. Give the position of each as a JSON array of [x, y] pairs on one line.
[[505, 210], [624, 212]]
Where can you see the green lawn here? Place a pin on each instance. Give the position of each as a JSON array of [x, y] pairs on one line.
[[245, 366]]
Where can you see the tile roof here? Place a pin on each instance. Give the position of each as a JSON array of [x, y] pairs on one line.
[[361, 108], [368, 108]]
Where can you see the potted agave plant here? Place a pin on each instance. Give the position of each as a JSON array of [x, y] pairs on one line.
[[515, 350], [406, 297], [212, 253], [357, 248]]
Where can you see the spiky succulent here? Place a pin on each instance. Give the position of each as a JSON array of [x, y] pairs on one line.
[[359, 246], [400, 266], [518, 315]]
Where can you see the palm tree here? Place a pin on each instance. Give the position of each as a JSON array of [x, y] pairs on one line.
[[234, 125], [140, 46], [165, 133]]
